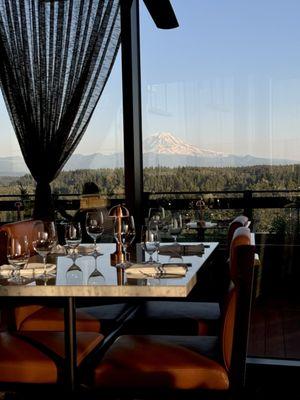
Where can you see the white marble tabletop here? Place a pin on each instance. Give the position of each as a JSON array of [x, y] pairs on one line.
[[115, 282]]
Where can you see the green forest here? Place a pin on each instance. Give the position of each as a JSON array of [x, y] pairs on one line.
[[170, 180], [163, 179]]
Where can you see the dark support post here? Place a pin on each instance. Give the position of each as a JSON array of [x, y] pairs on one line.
[[70, 343], [132, 109]]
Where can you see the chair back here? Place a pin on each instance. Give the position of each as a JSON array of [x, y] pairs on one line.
[[20, 228], [239, 221], [236, 315]]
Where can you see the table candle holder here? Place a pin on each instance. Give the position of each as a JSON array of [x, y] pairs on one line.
[[118, 212]]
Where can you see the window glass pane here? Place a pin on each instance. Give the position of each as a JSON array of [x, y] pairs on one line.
[[98, 157], [223, 90]]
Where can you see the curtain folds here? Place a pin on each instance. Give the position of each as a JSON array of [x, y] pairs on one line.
[[56, 58]]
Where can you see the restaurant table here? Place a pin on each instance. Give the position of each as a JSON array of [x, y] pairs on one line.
[[116, 285]]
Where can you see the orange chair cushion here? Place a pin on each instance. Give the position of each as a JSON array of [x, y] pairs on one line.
[[21, 362], [88, 319], [147, 362], [228, 327], [54, 341]]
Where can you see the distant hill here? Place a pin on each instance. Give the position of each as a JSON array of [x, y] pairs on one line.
[[162, 149]]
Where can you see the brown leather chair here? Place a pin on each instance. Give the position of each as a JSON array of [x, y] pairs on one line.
[[24, 361], [214, 364], [181, 318], [41, 317]]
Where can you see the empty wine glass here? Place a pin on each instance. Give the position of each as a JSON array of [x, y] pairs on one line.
[[18, 254], [157, 216], [124, 232], [73, 237], [96, 277], [149, 242], [95, 227], [45, 238], [74, 275], [175, 226]]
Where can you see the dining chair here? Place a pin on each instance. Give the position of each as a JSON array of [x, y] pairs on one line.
[[46, 317], [184, 317], [206, 364], [38, 357]]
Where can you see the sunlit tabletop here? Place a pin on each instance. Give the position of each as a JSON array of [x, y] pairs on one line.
[[115, 282]]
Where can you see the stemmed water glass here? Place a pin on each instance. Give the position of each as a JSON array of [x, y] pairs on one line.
[[45, 238], [96, 277], [124, 233], [95, 227], [150, 241], [18, 254], [73, 237]]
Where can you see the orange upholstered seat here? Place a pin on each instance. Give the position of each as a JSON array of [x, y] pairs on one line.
[[154, 362], [88, 319], [28, 358]]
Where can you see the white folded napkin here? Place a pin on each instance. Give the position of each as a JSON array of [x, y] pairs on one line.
[[156, 271], [31, 270]]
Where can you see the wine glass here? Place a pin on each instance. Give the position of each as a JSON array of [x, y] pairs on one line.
[[74, 275], [149, 242], [175, 226], [95, 227], [18, 254], [96, 277], [73, 237], [124, 232], [157, 216], [45, 238]]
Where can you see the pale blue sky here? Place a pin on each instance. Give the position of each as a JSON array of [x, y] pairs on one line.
[[228, 79]]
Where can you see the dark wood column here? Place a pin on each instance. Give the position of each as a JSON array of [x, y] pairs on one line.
[[132, 108]]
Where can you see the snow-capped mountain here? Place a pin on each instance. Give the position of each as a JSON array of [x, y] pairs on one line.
[[166, 143], [161, 149]]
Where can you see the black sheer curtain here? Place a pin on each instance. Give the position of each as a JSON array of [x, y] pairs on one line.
[[56, 56]]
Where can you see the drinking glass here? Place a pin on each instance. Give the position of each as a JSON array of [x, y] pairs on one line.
[[74, 275], [95, 227], [149, 242], [175, 226], [18, 254], [157, 217], [124, 232], [73, 237], [96, 277], [45, 238]]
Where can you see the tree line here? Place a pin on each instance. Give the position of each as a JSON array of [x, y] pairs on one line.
[[163, 179]]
